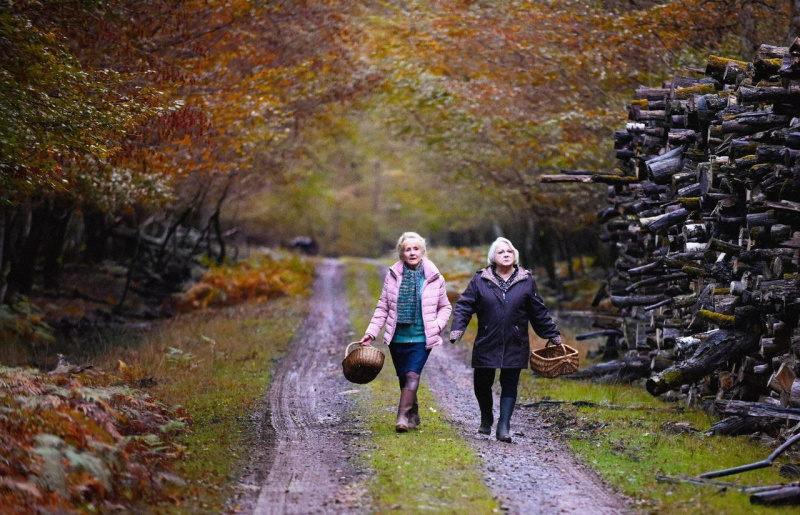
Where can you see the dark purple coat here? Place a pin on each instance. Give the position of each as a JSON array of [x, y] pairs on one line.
[[502, 340]]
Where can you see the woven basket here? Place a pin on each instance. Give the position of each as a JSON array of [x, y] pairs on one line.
[[554, 360], [363, 364]]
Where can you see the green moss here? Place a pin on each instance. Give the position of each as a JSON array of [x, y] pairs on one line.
[[693, 270], [722, 62], [700, 89], [671, 376], [717, 318], [690, 202]]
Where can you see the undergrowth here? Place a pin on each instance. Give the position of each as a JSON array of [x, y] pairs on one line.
[[83, 441], [94, 439], [631, 438], [427, 469], [217, 365]]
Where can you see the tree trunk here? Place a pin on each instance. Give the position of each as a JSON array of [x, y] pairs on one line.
[[748, 34], [53, 246], [20, 277], [3, 280], [545, 250], [94, 223]]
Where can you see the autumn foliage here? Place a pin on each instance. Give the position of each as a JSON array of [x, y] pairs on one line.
[[83, 441], [257, 279]]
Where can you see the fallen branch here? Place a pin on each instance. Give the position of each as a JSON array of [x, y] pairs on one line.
[[699, 481], [757, 465], [590, 404]]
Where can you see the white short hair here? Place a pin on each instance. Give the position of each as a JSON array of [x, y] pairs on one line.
[[410, 236], [493, 250]]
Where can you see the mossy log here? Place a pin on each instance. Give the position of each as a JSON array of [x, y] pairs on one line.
[[717, 66], [736, 425], [717, 318], [719, 348]]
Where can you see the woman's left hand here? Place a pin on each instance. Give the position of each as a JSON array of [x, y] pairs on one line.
[[557, 340]]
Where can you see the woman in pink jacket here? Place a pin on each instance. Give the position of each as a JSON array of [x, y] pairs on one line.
[[415, 309]]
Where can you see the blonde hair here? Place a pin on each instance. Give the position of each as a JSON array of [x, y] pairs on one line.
[[410, 236], [493, 250]]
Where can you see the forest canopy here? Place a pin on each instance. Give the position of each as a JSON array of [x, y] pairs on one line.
[[325, 118]]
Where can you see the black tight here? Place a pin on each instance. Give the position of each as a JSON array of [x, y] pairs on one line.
[[409, 381], [484, 379]]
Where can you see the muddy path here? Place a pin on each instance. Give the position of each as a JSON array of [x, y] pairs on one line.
[[533, 474], [301, 460]]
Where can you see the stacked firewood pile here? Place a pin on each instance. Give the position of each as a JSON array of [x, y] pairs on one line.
[[705, 218]]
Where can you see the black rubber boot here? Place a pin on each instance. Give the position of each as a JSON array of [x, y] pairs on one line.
[[487, 417], [503, 433]]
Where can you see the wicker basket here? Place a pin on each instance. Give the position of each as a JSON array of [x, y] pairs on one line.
[[363, 364], [554, 360]]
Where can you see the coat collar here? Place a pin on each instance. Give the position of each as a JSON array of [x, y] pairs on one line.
[[487, 274], [431, 272]]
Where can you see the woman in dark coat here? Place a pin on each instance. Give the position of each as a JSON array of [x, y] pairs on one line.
[[505, 298]]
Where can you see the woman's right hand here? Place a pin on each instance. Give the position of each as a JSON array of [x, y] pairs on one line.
[[366, 340]]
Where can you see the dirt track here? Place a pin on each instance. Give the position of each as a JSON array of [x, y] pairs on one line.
[[301, 462], [534, 473], [302, 466]]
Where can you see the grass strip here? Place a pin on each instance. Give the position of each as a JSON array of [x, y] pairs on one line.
[[431, 468], [629, 448], [217, 364]]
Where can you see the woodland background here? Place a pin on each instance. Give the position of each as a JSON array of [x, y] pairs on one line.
[[131, 129]]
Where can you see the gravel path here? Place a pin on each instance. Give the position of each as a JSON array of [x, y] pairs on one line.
[[534, 473]]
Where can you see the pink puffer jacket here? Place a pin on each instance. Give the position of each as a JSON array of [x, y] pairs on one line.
[[435, 305]]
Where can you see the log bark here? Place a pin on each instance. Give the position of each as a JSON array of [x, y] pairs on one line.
[[786, 495], [757, 409], [666, 221], [737, 425], [621, 301], [719, 348], [623, 370]]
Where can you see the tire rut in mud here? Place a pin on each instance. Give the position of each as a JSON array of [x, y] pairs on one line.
[[301, 462]]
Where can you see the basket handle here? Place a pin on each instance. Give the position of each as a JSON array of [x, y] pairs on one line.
[[347, 350], [551, 344]]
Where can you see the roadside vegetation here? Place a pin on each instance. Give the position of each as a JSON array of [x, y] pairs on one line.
[[164, 417], [630, 438], [430, 468]]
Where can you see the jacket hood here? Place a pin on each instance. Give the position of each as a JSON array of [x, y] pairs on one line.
[[487, 274]]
